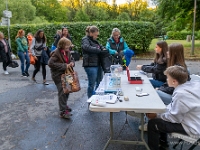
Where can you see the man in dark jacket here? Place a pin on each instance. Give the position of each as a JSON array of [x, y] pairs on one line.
[[5, 53]]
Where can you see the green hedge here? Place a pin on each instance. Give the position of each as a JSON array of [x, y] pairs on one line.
[[181, 35], [138, 35]]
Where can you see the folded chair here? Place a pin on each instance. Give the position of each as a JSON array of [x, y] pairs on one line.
[[194, 141]]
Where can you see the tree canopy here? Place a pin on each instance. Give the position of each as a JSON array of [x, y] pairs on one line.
[[177, 15], [39, 11], [169, 15]]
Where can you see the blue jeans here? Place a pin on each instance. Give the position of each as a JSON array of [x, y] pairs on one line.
[[94, 75], [22, 58], [156, 83], [166, 98]]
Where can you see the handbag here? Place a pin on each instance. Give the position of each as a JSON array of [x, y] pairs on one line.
[[32, 59], [105, 61], [70, 81], [44, 57]]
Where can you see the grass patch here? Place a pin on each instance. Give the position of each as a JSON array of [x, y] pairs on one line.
[[187, 49]]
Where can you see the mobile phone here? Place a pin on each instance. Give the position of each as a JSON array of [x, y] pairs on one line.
[[142, 94]]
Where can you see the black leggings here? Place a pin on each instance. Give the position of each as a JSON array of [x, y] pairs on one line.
[[6, 61], [37, 68]]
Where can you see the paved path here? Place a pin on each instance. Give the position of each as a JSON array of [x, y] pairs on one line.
[[29, 115]]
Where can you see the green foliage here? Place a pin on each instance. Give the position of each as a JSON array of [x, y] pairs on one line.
[[124, 17], [51, 9], [178, 14], [96, 13], [38, 20], [22, 11], [181, 35], [81, 16], [138, 35]]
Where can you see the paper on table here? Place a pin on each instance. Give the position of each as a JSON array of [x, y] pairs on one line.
[[111, 98]]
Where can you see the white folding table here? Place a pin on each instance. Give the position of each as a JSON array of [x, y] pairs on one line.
[[146, 104]]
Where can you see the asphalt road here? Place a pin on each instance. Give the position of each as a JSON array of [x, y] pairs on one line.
[[29, 115]]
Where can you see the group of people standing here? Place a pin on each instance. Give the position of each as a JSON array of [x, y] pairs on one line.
[[30, 45], [92, 51], [34, 46], [171, 77]]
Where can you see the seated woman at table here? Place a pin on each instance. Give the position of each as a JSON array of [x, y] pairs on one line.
[[159, 65], [175, 56], [183, 113]]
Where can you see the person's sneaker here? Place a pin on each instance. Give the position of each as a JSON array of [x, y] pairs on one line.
[[145, 127], [65, 114], [163, 144], [6, 72], [33, 79], [68, 108], [45, 83], [24, 75]]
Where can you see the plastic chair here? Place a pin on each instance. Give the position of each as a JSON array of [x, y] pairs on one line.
[[183, 138]]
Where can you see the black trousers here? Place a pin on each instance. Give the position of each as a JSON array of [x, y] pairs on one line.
[[158, 129], [37, 68], [5, 59], [6, 62]]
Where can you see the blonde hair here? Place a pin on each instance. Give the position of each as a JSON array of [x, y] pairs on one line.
[[63, 42], [87, 32]]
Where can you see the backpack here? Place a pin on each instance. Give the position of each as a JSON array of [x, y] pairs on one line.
[[13, 64]]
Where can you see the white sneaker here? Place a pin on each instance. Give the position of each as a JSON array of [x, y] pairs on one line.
[[6, 72], [145, 127]]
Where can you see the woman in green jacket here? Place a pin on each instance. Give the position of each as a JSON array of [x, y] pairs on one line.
[[22, 52]]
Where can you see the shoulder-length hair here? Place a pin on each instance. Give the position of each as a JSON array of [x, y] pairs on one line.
[[162, 57], [176, 55], [19, 33], [38, 38], [68, 35], [63, 42]]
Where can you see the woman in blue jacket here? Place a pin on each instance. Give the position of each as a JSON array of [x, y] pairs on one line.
[[116, 46]]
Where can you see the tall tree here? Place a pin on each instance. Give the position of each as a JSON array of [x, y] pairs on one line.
[[52, 10], [134, 8], [178, 13]]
